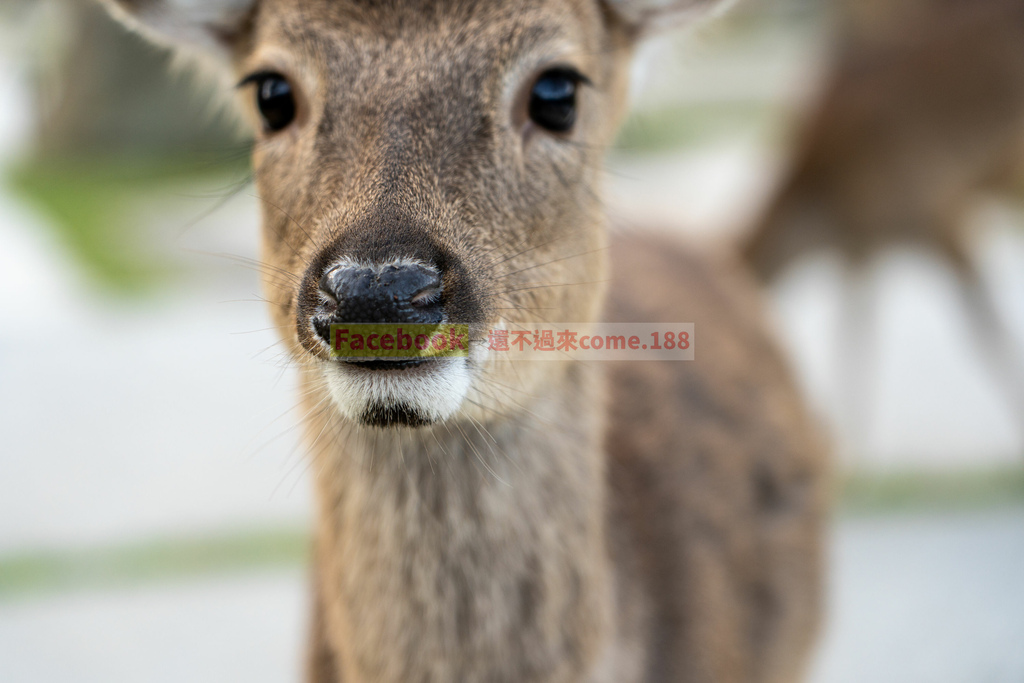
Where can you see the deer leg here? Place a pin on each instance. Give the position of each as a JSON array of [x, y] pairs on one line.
[[1003, 355], [857, 337]]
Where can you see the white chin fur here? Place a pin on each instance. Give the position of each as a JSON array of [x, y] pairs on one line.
[[433, 391]]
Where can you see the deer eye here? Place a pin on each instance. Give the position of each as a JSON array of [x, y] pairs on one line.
[[275, 99], [553, 99]]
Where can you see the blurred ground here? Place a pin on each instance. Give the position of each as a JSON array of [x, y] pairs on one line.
[[229, 628], [928, 598], [154, 500]]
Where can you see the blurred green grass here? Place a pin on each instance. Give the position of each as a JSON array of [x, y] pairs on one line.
[[160, 559], [934, 491], [163, 559], [90, 204]]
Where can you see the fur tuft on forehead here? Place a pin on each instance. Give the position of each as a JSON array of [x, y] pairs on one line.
[[208, 25]]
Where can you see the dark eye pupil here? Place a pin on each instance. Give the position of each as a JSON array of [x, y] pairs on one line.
[[276, 103], [553, 101]]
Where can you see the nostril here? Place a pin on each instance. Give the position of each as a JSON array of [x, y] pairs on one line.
[[328, 288], [426, 297]]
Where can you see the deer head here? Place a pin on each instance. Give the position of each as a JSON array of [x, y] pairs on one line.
[[424, 160]]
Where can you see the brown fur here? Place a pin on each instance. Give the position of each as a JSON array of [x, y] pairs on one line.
[[572, 522], [717, 479]]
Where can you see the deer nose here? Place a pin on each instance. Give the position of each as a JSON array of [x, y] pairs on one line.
[[394, 293]]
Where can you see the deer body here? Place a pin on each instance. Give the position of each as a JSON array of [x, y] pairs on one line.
[[921, 114], [643, 522], [922, 110], [526, 521]]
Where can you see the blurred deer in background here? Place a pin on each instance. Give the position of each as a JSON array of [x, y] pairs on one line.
[[526, 521], [922, 111]]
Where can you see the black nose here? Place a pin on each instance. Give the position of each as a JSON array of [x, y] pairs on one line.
[[397, 293]]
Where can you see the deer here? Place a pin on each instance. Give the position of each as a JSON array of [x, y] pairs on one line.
[[921, 113], [515, 521]]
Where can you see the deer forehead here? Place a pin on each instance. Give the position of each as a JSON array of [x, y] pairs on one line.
[[235, 26], [464, 46], [401, 18]]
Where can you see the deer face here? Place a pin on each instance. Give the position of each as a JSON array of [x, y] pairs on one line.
[[425, 161]]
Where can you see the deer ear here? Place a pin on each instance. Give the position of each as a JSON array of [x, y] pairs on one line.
[[209, 25], [650, 16]]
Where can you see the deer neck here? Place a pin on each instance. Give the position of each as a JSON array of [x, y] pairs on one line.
[[484, 539]]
